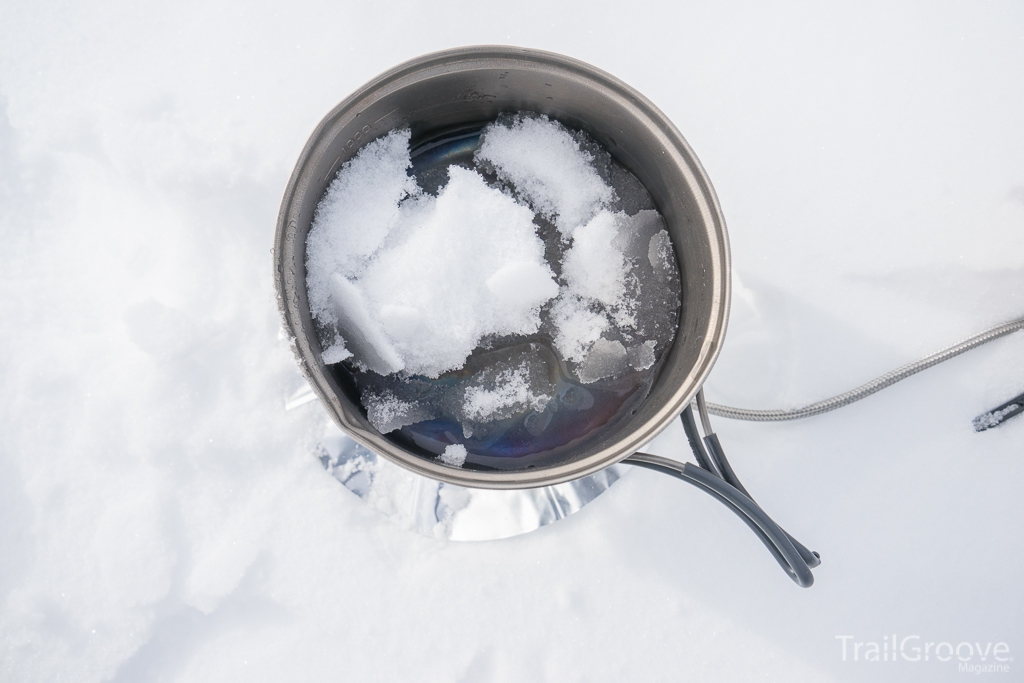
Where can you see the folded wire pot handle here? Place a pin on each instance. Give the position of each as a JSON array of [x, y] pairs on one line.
[[715, 476]]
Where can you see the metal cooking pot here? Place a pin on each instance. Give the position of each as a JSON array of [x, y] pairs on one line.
[[473, 85]]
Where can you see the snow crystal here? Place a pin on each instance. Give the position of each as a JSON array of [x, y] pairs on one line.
[[576, 326], [512, 393], [454, 455], [335, 353], [642, 356], [622, 288], [386, 412], [605, 359], [545, 164], [594, 268], [660, 256]]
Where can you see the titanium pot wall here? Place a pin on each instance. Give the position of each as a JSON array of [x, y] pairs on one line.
[[466, 86]]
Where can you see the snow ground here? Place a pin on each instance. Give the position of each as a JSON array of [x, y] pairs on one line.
[[162, 517]]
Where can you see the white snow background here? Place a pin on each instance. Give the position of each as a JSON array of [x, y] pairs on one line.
[[163, 518]]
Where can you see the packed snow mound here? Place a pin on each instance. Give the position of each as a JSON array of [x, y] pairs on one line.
[[512, 391], [548, 168], [454, 455], [356, 215], [418, 283]]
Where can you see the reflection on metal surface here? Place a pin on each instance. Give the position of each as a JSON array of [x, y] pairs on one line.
[[448, 511]]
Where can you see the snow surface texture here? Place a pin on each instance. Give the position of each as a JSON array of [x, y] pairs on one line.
[[162, 518]]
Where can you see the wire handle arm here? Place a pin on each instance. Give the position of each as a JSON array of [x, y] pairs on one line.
[[715, 476], [774, 538]]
